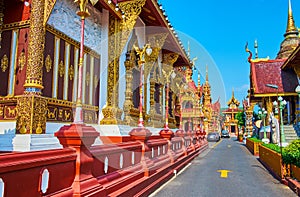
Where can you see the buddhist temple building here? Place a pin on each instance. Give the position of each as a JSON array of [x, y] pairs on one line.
[[230, 123], [96, 98], [216, 122], [84, 61], [272, 78]]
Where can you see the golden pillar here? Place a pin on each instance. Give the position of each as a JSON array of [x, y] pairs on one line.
[[128, 104], [167, 66], [31, 107], [156, 42], [119, 32]]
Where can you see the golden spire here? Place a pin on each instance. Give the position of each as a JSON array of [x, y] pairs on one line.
[[198, 79], [206, 78], [290, 23], [232, 92]]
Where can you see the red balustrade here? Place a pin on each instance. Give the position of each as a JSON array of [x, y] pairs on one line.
[[21, 172], [136, 167]]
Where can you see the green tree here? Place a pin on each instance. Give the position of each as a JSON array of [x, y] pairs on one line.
[[241, 118]]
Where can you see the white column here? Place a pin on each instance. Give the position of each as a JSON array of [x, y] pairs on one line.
[[83, 79], [55, 67], [66, 77], [13, 61], [75, 82], [91, 91], [103, 61]]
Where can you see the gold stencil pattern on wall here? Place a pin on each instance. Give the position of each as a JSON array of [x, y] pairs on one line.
[[4, 63], [48, 63], [87, 79], [21, 60], [96, 79], [61, 68], [71, 72]]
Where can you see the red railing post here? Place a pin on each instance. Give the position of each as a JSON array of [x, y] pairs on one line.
[[81, 137], [142, 135], [167, 134], [181, 133]]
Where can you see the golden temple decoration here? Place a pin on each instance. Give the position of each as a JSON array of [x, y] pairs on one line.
[[22, 60], [71, 72], [87, 79], [49, 5], [48, 63], [290, 23], [170, 58], [156, 42], [260, 59], [34, 71], [31, 116], [119, 32], [129, 64], [16, 25], [61, 68], [10, 112], [132, 10], [4, 63], [96, 80], [110, 114], [1, 111]]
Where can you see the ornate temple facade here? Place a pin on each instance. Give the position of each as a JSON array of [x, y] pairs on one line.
[[270, 79], [48, 70], [230, 123]]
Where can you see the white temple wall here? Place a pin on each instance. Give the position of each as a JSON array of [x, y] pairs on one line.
[[104, 62]]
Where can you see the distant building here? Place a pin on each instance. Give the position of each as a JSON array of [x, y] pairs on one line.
[[230, 123]]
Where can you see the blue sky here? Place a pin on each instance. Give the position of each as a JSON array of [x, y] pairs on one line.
[[221, 29]]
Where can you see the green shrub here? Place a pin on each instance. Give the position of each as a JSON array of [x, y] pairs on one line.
[[254, 139], [291, 153], [273, 147]]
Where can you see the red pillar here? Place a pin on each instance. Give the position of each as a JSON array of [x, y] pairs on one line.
[[81, 137], [142, 134], [167, 134]]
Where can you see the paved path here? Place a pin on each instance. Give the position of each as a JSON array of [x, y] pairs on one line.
[[248, 177]]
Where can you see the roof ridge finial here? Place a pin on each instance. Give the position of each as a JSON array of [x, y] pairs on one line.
[[256, 48], [290, 23], [232, 92], [199, 79]]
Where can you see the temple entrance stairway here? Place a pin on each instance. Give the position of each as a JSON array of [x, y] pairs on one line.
[[289, 133]]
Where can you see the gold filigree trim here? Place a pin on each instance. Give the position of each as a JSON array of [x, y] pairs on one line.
[[18, 25], [71, 72], [49, 5], [21, 60], [48, 63], [61, 68], [4, 63]]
